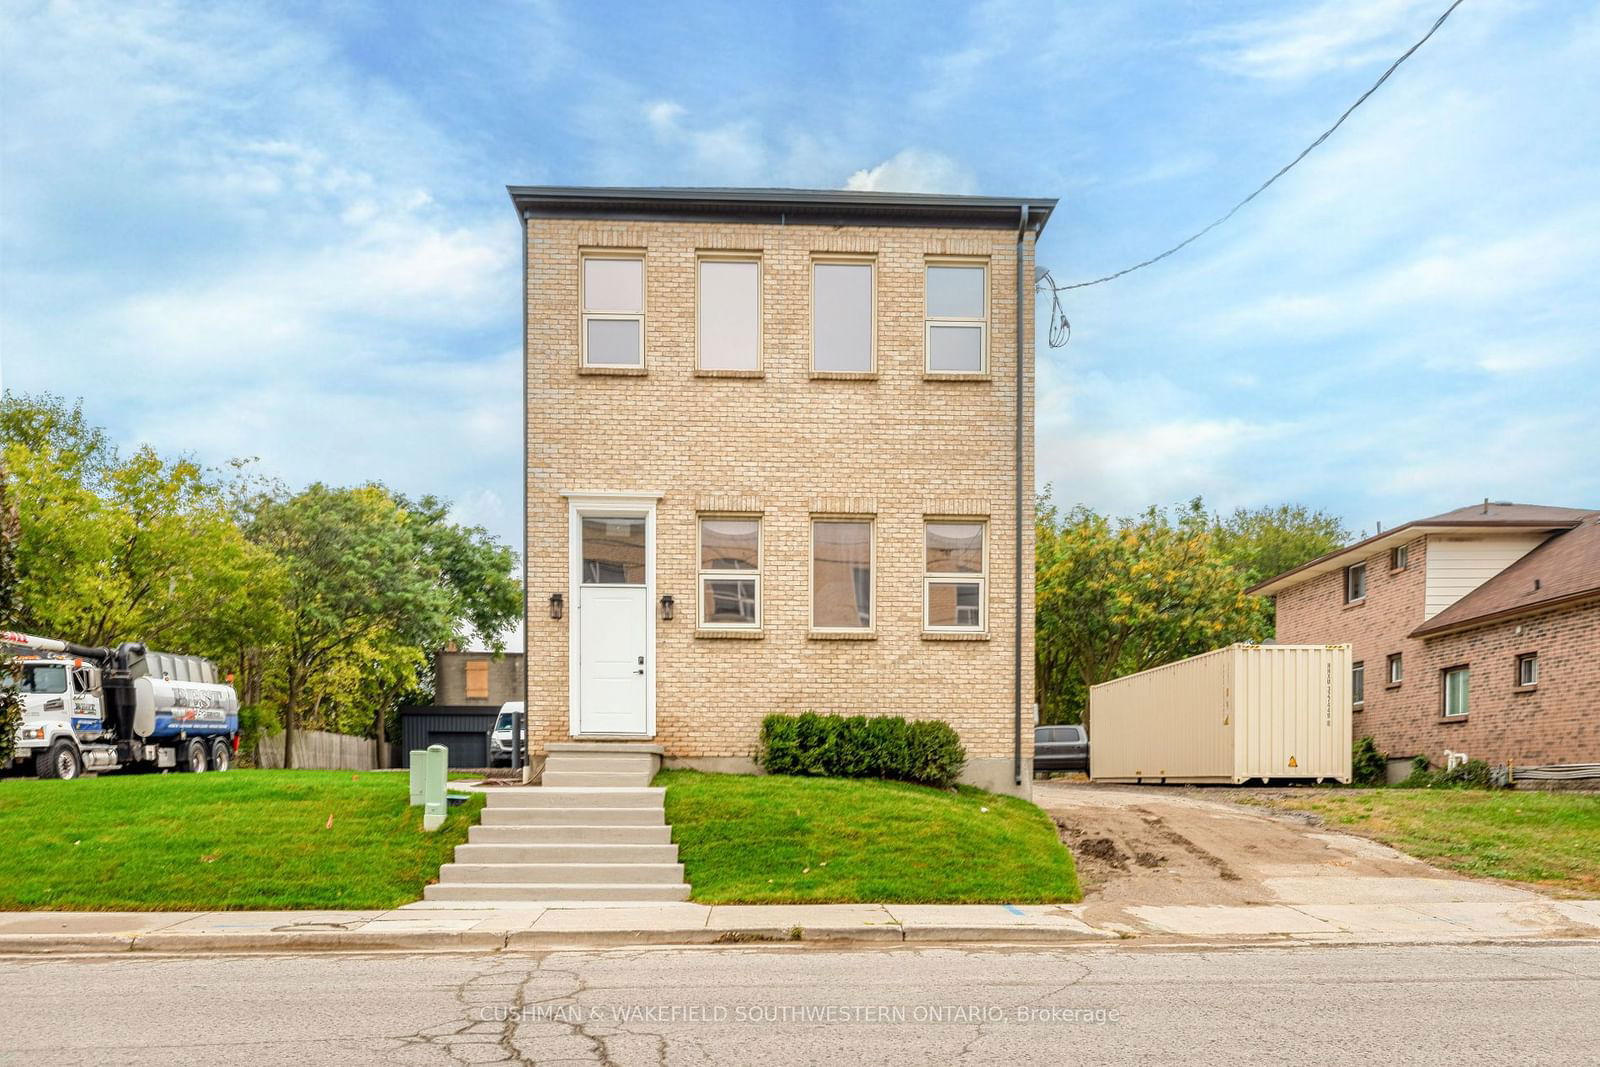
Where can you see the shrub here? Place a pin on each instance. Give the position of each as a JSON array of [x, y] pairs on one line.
[[1473, 774], [927, 752], [1368, 766]]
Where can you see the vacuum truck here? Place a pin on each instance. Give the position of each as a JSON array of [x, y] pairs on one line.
[[101, 709]]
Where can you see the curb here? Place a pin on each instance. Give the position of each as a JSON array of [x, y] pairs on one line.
[[368, 940]]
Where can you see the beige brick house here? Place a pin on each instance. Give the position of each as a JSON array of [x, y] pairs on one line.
[[1476, 631], [779, 458]]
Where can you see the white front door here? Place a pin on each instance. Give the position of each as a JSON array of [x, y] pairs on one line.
[[613, 624]]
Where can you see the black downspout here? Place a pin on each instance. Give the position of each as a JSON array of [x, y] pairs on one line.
[[1016, 533]]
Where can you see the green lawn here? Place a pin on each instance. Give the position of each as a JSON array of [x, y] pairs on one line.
[[747, 839], [1549, 840], [240, 840]]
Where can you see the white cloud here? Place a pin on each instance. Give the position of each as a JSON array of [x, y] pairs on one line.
[[1334, 35], [913, 170]]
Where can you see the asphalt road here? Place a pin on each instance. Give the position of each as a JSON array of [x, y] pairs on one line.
[[1522, 1004]]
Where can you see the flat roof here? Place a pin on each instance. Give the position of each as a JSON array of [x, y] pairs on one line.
[[817, 207]]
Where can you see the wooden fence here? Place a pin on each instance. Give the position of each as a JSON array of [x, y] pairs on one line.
[[315, 750]]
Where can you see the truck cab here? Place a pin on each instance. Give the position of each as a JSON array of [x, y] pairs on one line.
[[61, 701]]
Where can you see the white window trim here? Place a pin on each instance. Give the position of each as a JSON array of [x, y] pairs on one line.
[[716, 575], [761, 325], [872, 302], [1523, 659], [1393, 661], [585, 315], [872, 573], [1361, 667], [929, 578], [609, 502], [1348, 571], [930, 321], [1444, 682]]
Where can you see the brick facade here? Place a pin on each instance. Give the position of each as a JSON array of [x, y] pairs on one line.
[[897, 446], [1557, 721]]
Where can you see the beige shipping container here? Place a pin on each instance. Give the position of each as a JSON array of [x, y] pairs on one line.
[[1240, 713]]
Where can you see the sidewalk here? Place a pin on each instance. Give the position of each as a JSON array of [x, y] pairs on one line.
[[493, 927]]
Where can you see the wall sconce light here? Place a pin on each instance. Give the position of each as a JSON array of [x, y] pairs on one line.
[[666, 608], [555, 605]]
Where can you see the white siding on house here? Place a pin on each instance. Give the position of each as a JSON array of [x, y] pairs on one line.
[[1458, 565]]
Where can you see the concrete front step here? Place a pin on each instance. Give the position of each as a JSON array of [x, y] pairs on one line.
[[589, 779], [498, 891], [574, 816], [562, 852], [563, 873], [579, 834], [596, 797], [567, 761]]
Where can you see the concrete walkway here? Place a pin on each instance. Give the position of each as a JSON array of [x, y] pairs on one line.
[[490, 926]]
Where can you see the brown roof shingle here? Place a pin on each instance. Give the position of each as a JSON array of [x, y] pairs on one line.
[[1564, 568]]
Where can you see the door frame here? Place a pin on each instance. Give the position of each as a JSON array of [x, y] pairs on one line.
[[602, 502]]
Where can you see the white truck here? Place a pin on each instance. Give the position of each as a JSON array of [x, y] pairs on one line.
[[101, 709]]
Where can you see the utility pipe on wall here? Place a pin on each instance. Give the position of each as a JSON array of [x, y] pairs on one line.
[[1016, 533]]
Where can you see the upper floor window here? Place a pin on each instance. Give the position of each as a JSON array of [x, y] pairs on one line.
[[841, 574], [1355, 583], [842, 318], [730, 573], [1358, 683], [729, 324], [1398, 558], [1456, 680], [613, 310], [956, 325], [1528, 669], [955, 575]]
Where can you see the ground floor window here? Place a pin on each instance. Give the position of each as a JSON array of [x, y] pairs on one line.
[[1358, 683], [954, 577], [730, 572], [1455, 692], [1397, 671], [841, 574]]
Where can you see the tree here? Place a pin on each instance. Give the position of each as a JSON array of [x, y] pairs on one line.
[[1267, 541], [369, 570], [1119, 597], [137, 548], [10, 700]]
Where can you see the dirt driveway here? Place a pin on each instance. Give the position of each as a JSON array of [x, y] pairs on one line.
[[1142, 847]]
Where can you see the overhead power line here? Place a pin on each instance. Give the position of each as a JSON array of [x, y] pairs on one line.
[[1059, 325]]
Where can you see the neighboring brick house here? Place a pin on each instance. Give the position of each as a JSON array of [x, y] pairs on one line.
[[1476, 631], [780, 449], [469, 678]]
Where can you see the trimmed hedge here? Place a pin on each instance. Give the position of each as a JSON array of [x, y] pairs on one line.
[[927, 751]]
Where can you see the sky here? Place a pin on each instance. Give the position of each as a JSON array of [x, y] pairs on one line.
[[281, 231]]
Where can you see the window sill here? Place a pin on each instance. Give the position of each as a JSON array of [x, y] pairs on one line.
[[1452, 718], [621, 372], [955, 376], [954, 635], [702, 634], [1358, 707], [702, 372], [1355, 604], [1525, 688], [841, 635], [845, 375], [1393, 685]]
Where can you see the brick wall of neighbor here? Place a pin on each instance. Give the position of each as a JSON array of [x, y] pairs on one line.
[[1556, 722], [899, 446], [450, 678]]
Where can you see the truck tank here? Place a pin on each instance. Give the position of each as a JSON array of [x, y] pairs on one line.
[[165, 708]]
